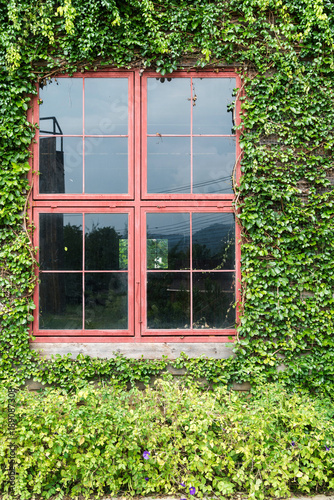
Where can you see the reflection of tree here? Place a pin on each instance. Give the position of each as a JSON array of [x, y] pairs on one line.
[[213, 304], [157, 254], [168, 301], [102, 248], [72, 247], [106, 301]]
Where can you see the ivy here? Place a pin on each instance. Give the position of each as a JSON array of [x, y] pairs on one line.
[[283, 50]]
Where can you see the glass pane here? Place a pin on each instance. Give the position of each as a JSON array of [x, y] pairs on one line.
[[168, 300], [106, 238], [168, 241], [214, 159], [214, 298], [61, 109], [106, 165], [60, 241], [60, 299], [213, 241], [168, 105], [60, 165], [106, 301], [168, 165], [210, 114], [106, 106]]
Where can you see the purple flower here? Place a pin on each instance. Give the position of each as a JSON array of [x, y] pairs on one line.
[[182, 484], [192, 490], [146, 455], [293, 443], [183, 499], [146, 478], [328, 448]]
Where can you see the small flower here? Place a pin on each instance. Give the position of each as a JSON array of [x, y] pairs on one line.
[[293, 443], [183, 499], [146, 455], [328, 448], [192, 490], [182, 484], [146, 478]]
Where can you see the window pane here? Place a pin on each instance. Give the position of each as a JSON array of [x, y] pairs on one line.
[[60, 299], [168, 241], [214, 298], [168, 105], [213, 241], [60, 241], [214, 159], [210, 114], [106, 301], [106, 241], [168, 300], [106, 106], [61, 109], [106, 165], [168, 165], [60, 165]]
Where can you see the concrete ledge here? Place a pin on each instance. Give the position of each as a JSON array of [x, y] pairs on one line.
[[149, 350]]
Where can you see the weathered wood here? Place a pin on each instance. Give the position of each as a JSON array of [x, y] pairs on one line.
[[147, 350]]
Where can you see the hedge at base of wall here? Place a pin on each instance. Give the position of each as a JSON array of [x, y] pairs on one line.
[[166, 440]]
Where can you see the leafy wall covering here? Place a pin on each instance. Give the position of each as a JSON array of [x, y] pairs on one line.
[[284, 51]]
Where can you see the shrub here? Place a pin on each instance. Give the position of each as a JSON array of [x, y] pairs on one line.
[[216, 442]]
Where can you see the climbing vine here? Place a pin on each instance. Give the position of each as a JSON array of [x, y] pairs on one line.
[[283, 50]]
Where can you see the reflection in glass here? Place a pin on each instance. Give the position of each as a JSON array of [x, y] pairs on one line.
[[214, 159], [62, 100], [210, 114], [106, 241], [168, 106], [168, 165], [213, 241], [213, 300], [106, 106], [60, 241], [106, 301], [168, 241], [60, 299], [60, 165], [106, 165], [168, 300]]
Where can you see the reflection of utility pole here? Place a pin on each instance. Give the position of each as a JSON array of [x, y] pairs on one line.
[[51, 160], [52, 180]]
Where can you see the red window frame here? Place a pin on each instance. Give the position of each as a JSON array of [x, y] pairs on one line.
[[136, 202]]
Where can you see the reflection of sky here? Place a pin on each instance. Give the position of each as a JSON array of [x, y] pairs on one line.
[[106, 106], [169, 105], [171, 223], [73, 220], [210, 115], [168, 164], [117, 221], [62, 99]]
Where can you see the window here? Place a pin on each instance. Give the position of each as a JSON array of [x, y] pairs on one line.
[[133, 207]]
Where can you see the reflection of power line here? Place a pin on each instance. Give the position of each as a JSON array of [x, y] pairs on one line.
[[186, 188], [205, 222]]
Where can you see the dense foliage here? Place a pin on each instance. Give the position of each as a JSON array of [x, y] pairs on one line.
[[284, 52], [104, 441]]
